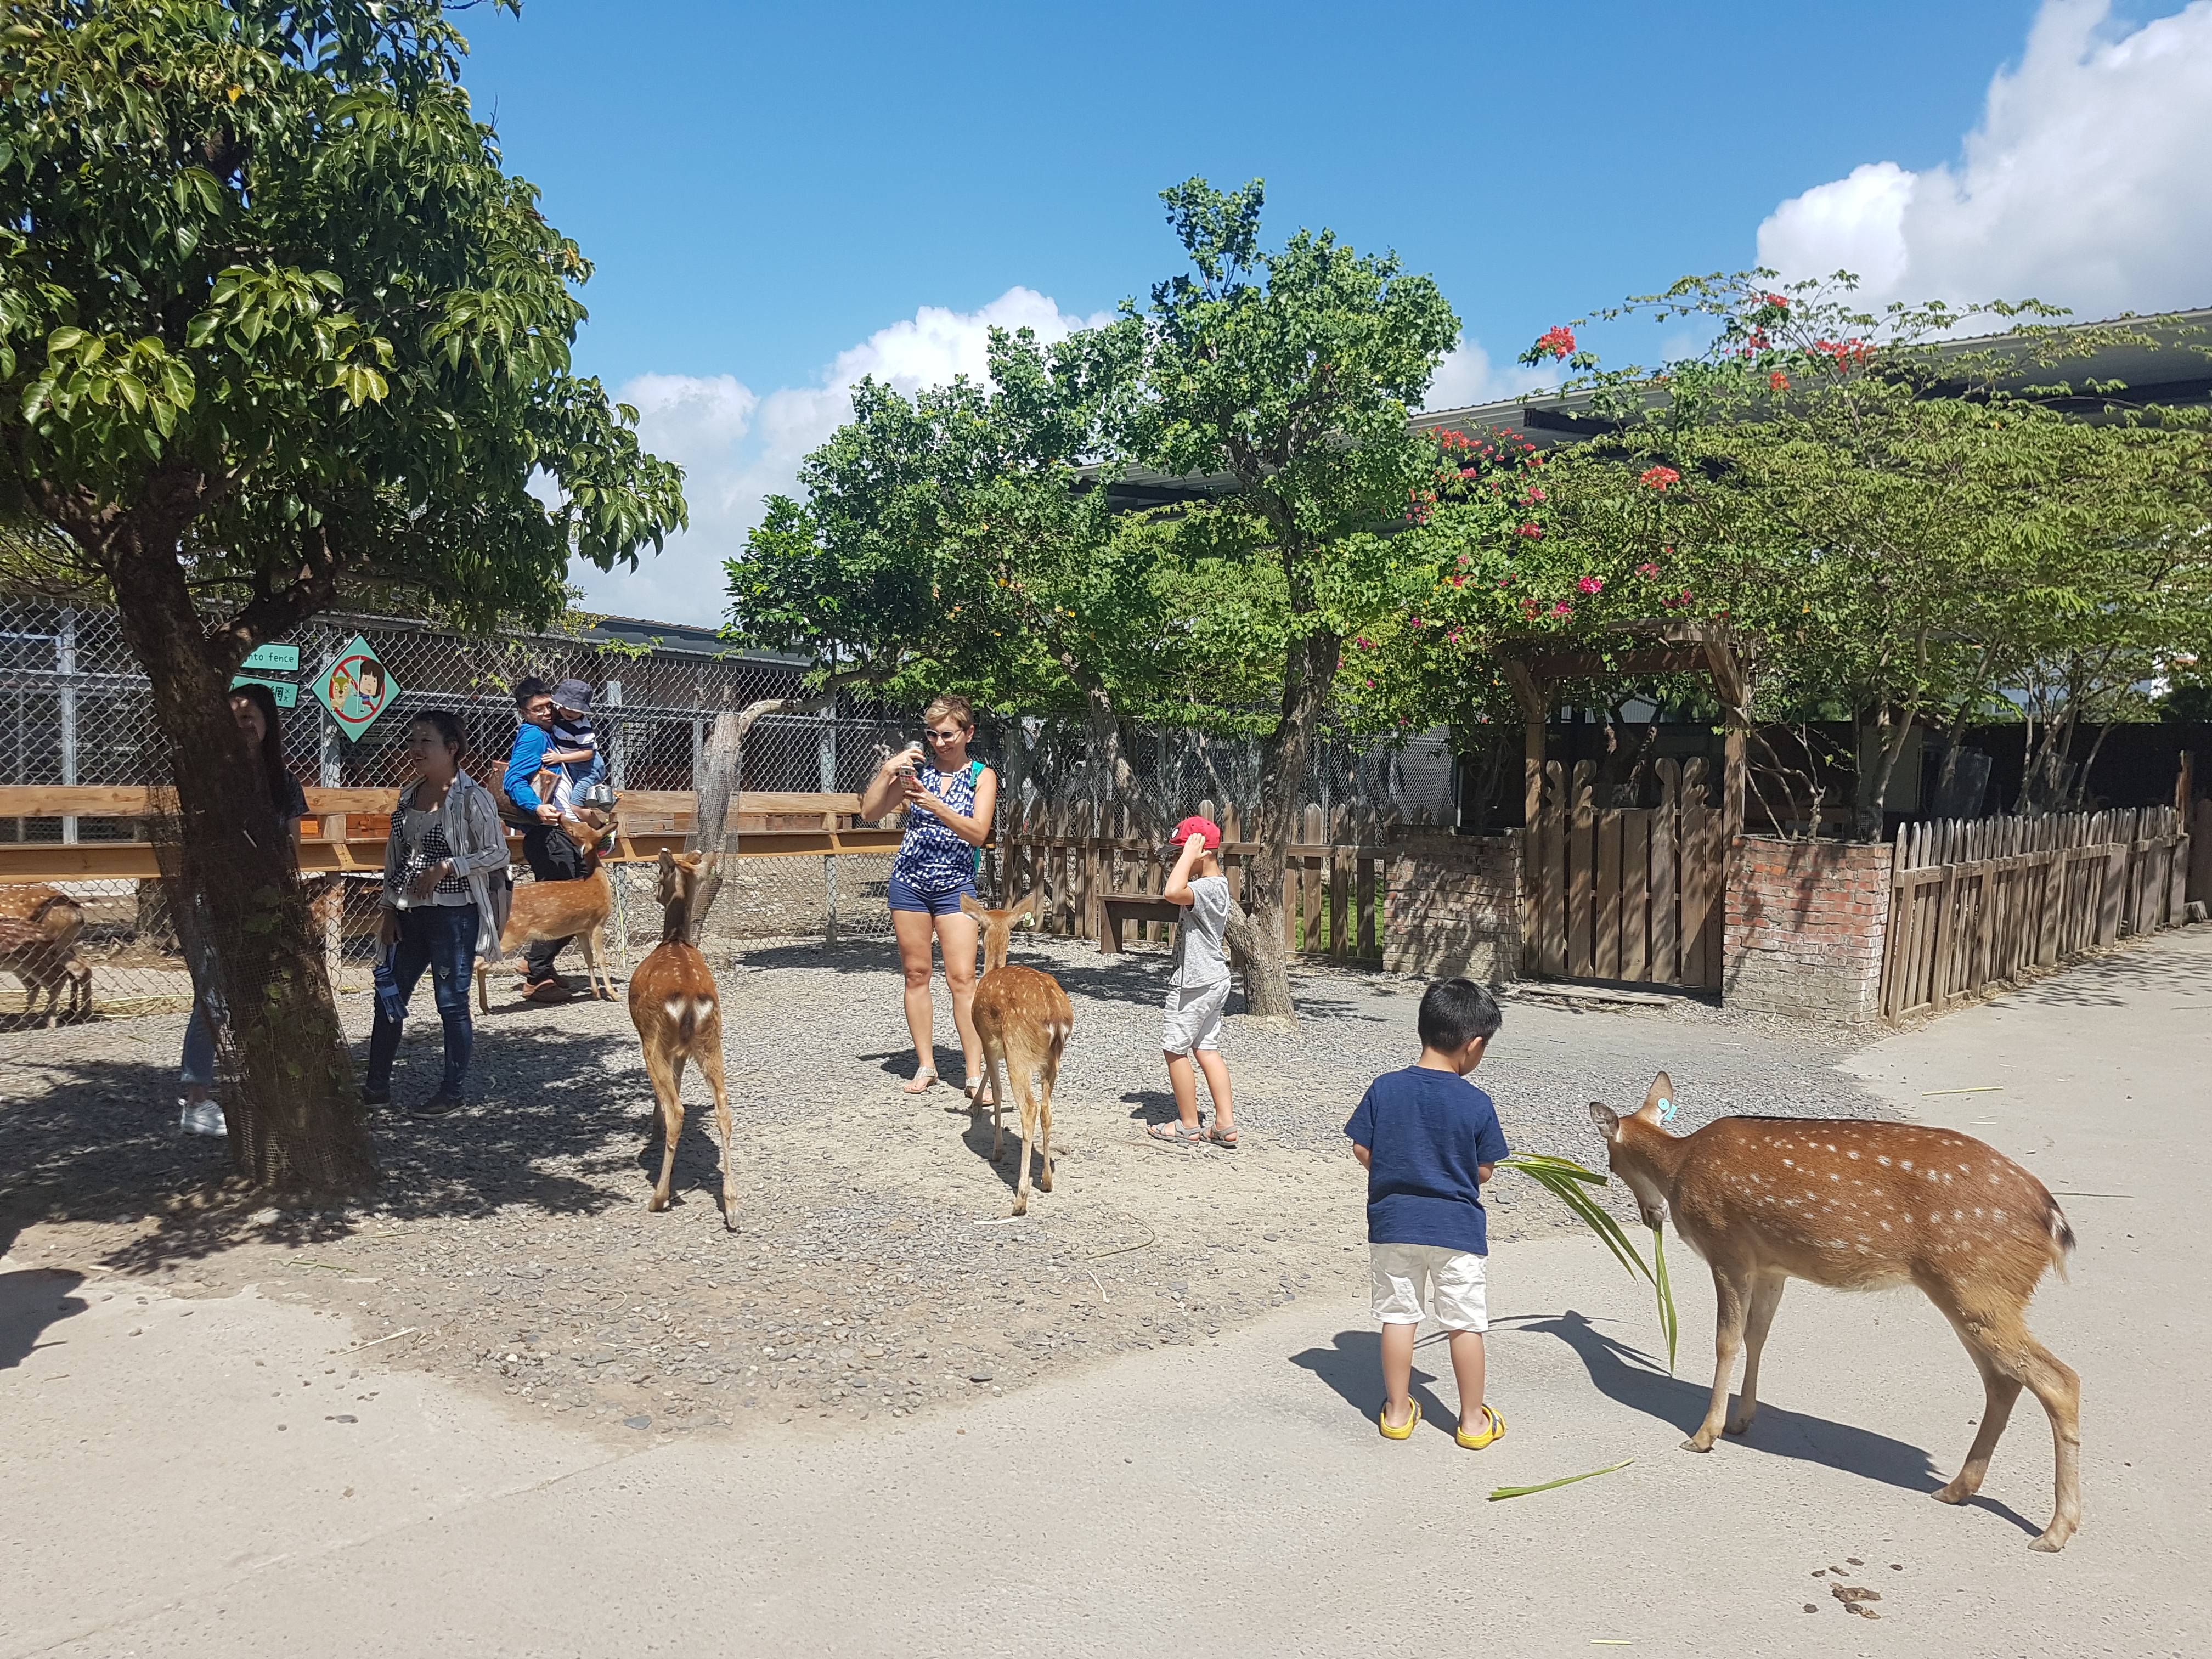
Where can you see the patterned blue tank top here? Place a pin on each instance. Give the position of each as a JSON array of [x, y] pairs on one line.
[[931, 859]]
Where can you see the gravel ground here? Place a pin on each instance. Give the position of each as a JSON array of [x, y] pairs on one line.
[[874, 1270]]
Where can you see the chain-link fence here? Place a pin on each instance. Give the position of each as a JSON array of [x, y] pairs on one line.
[[73, 712]]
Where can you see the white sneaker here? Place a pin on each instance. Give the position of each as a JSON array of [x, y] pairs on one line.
[[203, 1118]]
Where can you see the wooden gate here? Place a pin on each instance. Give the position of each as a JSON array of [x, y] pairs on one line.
[[1624, 893]]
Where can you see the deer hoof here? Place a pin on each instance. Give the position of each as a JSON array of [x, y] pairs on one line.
[[1741, 1426], [1692, 1445], [2052, 1540], [657, 1203], [1957, 1492]]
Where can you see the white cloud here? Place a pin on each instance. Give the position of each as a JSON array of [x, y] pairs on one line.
[[1467, 376], [738, 447], [2086, 185]]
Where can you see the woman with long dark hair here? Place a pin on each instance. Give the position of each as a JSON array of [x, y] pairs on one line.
[[445, 891], [253, 705]]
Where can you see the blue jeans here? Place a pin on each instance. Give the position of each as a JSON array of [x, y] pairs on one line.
[[441, 937], [199, 1049]]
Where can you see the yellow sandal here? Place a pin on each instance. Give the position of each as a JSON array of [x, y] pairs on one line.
[[1477, 1442], [1404, 1430]]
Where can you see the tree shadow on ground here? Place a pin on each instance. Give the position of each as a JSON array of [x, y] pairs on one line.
[[90, 1148]]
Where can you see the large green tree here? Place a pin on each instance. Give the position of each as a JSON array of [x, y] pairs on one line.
[[1288, 374], [275, 320]]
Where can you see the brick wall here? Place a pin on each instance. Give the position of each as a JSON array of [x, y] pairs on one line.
[[1454, 907], [1803, 926]]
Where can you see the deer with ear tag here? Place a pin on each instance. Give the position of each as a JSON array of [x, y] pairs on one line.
[[1860, 1206]]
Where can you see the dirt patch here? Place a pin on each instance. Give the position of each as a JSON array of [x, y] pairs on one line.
[[874, 1271]]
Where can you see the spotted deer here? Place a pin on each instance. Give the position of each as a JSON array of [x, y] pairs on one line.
[[673, 1002], [1022, 1019], [38, 930], [1860, 1206], [563, 909]]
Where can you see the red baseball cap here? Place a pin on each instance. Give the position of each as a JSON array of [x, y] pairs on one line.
[[1198, 826]]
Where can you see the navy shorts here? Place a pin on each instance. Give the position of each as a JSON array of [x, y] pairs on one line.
[[904, 896]]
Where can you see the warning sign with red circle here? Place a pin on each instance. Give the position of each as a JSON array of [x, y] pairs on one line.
[[356, 688]]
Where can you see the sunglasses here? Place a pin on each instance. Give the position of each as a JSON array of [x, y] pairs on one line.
[[943, 737]]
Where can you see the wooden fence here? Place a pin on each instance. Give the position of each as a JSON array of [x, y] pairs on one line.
[[1975, 903], [1077, 853], [1626, 893]]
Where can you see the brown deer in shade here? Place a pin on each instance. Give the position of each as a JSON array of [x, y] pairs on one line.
[[39, 931], [563, 909], [678, 1015], [1860, 1206], [1022, 1019]]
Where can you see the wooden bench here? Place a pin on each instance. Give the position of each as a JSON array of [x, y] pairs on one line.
[[1116, 909]]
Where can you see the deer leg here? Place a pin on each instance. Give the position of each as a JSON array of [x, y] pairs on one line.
[[998, 1074], [2056, 1384], [710, 1065], [2008, 1358], [1029, 1110], [1728, 1338], [1048, 1074], [667, 1073], [1765, 1298]]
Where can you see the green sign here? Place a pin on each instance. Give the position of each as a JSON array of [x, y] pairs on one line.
[[273, 659], [355, 688], [287, 694]]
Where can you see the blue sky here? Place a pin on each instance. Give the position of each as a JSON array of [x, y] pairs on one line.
[[780, 199]]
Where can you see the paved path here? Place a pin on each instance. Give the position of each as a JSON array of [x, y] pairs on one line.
[[1229, 1498]]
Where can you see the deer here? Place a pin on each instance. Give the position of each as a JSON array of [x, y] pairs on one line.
[[672, 1003], [1022, 1019], [1860, 1206], [563, 909], [39, 946]]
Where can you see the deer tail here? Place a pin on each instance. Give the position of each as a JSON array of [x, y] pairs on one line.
[[2061, 1233]]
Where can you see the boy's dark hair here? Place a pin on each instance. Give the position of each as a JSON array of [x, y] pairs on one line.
[[529, 686], [1456, 1011]]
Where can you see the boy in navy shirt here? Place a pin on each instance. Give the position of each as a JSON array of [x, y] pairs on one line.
[[1428, 1139]]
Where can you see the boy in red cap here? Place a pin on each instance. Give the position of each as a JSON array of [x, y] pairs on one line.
[[1199, 988]]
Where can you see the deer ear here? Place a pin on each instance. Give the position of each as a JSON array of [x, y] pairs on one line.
[[1025, 905], [969, 907], [1662, 1092], [1608, 1119]]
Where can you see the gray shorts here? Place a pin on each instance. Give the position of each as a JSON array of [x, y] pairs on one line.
[[1194, 1018]]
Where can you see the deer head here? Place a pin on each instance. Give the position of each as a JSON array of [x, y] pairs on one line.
[[998, 925], [1639, 1149], [686, 886]]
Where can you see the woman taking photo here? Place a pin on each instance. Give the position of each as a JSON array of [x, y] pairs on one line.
[[445, 892], [949, 800], [253, 705]]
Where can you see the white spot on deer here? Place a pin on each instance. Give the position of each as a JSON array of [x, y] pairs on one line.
[[1852, 1156], [1884, 1226], [1882, 1161], [1787, 1164], [1905, 1164], [674, 1007], [705, 1006]]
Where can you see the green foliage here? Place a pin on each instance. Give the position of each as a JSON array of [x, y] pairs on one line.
[[263, 273], [1565, 1180]]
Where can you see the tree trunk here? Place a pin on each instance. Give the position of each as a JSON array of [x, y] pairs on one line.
[[297, 1122], [1873, 794], [1310, 668]]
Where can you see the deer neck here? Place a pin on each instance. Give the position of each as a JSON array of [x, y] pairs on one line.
[[1649, 1155]]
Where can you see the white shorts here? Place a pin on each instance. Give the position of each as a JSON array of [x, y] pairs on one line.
[[1194, 1018], [1410, 1279]]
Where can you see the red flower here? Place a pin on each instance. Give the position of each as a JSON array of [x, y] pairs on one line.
[[1658, 478], [1591, 583], [1777, 381], [1647, 570], [1556, 342], [1534, 532], [1563, 609]]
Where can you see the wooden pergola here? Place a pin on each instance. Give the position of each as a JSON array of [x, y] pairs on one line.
[[1669, 645]]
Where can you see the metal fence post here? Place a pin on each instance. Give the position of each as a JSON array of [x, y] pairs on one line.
[[826, 760], [65, 672]]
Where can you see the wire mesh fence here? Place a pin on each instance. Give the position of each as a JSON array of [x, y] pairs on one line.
[[73, 714]]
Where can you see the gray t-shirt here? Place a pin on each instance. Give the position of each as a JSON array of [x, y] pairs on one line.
[[1198, 959]]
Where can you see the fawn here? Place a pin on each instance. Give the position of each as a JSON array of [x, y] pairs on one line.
[[1861, 1205], [563, 909], [1022, 1018], [38, 930], [679, 1018]]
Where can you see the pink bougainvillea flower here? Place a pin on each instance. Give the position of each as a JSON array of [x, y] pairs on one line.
[[1535, 495], [1777, 381], [1658, 478], [1563, 609], [1556, 342], [1647, 569], [1459, 582], [1534, 532], [1591, 583]]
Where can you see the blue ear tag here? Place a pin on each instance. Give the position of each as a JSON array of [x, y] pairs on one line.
[[1666, 1111]]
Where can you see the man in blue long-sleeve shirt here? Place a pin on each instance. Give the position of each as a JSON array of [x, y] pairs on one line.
[[552, 856]]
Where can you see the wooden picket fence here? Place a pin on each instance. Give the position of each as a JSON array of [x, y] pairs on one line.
[[1626, 893], [1076, 853], [1975, 903]]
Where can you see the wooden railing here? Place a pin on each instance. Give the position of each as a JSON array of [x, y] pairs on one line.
[[345, 830], [1975, 902], [1335, 888]]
